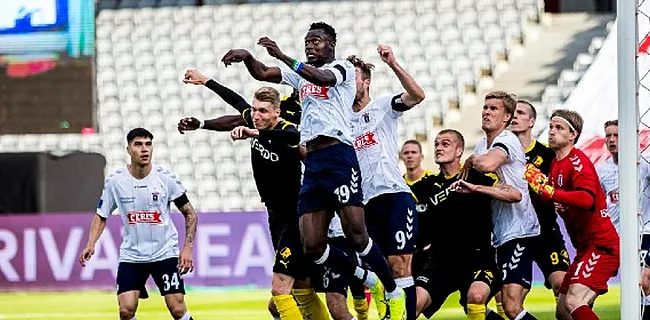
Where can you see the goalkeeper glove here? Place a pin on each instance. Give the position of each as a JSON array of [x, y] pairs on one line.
[[538, 182]]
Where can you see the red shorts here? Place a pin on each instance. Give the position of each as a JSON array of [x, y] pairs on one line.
[[592, 268]]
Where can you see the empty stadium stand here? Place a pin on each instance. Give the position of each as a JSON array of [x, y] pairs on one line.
[[144, 46]]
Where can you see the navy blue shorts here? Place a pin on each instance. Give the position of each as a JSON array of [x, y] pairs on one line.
[[515, 258], [332, 180], [133, 276], [392, 222]]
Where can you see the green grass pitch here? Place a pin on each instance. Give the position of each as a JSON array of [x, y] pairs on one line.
[[241, 304]]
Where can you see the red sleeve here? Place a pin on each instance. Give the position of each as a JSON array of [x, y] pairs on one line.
[[584, 184], [579, 199]]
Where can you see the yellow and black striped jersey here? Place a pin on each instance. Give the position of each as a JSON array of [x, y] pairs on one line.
[[453, 222]]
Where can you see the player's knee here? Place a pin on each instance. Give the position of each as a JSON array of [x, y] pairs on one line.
[[400, 266], [281, 284], [177, 311], [338, 309], [423, 299], [475, 297], [511, 308], [127, 312], [313, 246], [357, 236], [572, 301]]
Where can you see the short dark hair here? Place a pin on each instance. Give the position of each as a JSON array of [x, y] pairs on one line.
[[366, 68], [412, 141], [138, 133], [329, 30], [611, 123], [533, 111], [458, 135]]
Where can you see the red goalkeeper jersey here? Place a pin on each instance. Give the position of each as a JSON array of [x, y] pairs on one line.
[[587, 227]]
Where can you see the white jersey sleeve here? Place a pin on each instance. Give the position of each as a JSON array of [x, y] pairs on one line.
[[290, 78], [644, 173], [107, 203], [342, 70], [608, 177], [174, 185]]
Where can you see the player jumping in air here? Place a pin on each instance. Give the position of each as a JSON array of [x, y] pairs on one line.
[[580, 200], [332, 179], [515, 224], [608, 175], [390, 212], [550, 254], [142, 193], [454, 214]]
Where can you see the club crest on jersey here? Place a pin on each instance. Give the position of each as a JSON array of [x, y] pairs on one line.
[[538, 161], [146, 217], [314, 91], [365, 140], [155, 195], [366, 117], [560, 180]]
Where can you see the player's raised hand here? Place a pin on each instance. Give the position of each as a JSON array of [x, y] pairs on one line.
[[185, 261], [187, 124], [386, 54], [463, 186], [467, 167], [235, 56], [85, 255], [194, 77], [538, 182], [271, 47]]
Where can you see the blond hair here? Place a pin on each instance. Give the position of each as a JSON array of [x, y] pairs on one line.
[[573, 118], [268, 94], [509, 102]]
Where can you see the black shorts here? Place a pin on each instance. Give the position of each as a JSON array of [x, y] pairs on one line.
[[332, 180], [515, 258], [551, 254], [392, 222], [445, 277], [133, 276], [289, 256]]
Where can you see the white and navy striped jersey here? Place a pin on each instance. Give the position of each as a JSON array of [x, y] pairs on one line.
[[325, 110], [144, 205], [511, 220], [374, 130]]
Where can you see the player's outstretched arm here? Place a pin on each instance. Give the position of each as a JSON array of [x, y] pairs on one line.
[[230, 97], [490, 161], [185, 263], [319, 77], [96, 228], [414, 93], [256, 68], [223, 123], [503, 192]]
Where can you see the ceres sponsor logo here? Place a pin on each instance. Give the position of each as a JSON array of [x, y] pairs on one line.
[[314, 91], [365, 140], [149, 217]]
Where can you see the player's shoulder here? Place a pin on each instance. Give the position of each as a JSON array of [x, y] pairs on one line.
[[286, 124], [163, 172], [117, 175], [342, 62], [506, 136]]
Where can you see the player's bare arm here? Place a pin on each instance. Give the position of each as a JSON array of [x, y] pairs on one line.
[[501, 191], [490, 161], [256, 68], [96, 228], [414, 93], [312, 74], [185, 263], [223, 123]]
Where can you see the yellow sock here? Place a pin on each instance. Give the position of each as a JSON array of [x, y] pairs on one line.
[[311, 305], [361, 307], [475, 311], [500, 310], [287, 307]]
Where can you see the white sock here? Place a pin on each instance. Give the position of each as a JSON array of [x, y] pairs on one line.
[[276, 318], [395, 293], [521, 314], [323, 258], [186, 316], [405, 282], [371, 277]]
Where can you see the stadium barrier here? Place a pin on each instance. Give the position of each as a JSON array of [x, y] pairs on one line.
[[40, 252]]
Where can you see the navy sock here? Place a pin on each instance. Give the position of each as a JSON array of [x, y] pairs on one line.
[[337, 260], [378, 264], [408, 285]]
